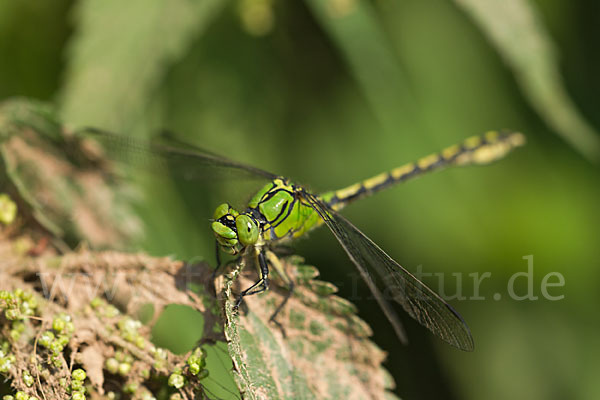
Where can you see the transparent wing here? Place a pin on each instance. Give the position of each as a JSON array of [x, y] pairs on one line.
[[194, 163], [389, 280], [202, 179]]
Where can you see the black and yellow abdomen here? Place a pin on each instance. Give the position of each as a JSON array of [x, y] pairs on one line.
[[482, 149]]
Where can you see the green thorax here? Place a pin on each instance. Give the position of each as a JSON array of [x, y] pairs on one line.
[[283, 210]]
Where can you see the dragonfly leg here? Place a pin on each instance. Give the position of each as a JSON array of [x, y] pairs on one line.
[[218, 259], [260, 285], [217, 254], [276, 264]]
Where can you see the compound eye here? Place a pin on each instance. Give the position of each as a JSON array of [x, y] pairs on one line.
[[247, 230], [224, 210], [221, 211], [223, 231]]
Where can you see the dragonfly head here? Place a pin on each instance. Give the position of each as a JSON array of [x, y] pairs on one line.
[[234, 230]]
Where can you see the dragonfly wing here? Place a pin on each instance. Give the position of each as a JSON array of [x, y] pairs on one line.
[[389, 280], [193, 162]]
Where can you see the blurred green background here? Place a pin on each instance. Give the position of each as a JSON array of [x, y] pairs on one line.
[[330, 92]]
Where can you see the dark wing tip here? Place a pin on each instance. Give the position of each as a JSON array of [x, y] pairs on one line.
[[465, 343]]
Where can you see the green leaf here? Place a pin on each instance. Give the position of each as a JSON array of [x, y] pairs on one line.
[[515, 29], [120, 53], [354, 28], [320, 350]]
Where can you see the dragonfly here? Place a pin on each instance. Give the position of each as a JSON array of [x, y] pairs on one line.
[[283, 210]]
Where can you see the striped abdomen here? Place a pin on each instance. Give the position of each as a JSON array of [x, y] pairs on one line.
[[475, 150]]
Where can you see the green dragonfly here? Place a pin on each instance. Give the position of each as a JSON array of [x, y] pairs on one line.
[[283, 210]]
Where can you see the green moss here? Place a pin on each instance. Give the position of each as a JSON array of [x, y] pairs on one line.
[[27, 378], [177, 380]]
